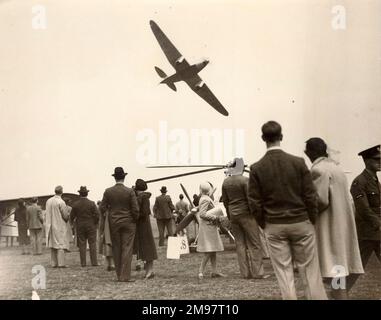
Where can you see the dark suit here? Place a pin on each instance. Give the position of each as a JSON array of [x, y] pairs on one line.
[[20, 217], [283, 199], [366, 193], [244, 226], [163, 209], [123, 213], [86, 216]]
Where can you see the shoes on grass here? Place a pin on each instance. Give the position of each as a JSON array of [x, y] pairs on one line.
[[265, 276], [218, 275]]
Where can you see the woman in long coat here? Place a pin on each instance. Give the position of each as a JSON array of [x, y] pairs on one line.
[[105, 244], [209, 240], [144, 245]]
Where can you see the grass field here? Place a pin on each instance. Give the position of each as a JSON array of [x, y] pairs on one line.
[[175, 279]]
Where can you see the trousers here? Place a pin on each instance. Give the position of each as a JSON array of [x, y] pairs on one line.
[[248, 245], [295, 241], [161, 225], [57, 257], [87, 233], [36, 240], [367, 247], [122, 237]]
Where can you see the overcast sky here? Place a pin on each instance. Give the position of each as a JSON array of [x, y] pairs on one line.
[[74, 96]]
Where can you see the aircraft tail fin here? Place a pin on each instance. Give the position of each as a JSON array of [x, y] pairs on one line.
[[160, 72], [171, 85]]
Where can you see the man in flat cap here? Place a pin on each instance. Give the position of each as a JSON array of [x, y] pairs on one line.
[[85, 214], [366, 193], [163, 212], [122, 205]]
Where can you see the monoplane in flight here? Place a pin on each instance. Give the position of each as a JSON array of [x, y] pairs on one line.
[[184, 71]]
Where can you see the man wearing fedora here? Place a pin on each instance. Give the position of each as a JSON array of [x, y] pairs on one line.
[[122, 205], [163, 212], [85, 213]]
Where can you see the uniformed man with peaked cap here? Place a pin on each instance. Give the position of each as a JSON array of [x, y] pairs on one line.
[[366, 193]]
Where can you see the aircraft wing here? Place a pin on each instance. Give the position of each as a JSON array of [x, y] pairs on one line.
[[198, 86], [173, 55]]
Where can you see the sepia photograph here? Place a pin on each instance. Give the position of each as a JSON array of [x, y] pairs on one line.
[[175, 150]]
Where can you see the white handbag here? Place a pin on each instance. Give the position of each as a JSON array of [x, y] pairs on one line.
[[177, 246], [173, 247], [184, 245]]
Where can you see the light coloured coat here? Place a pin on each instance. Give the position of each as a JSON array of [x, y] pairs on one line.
[[56, 226], [209, 239], [336, 233]]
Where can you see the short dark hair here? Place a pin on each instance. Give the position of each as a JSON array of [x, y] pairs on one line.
[[271, 131], [181, 196], [34, 200], [58, 190], [317, 145]]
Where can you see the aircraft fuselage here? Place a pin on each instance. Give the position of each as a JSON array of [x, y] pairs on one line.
[[186, 73]]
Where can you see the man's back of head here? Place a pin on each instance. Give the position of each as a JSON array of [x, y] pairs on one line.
[[272, 133], [316, 148], [58, 190]]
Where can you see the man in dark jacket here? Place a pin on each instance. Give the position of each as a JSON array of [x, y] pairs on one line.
[[163, 212], [86, 216], [35, 224], [284, 202], [244, 226], [366, 193], [123, 209], [22, 227]]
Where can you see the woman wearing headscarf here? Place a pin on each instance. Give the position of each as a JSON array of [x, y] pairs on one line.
[[209, 240], [144, 245]]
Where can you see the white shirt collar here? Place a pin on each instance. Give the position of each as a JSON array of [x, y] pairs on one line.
[[274, 148]]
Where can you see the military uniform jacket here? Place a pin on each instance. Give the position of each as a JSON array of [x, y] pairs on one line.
[[365, 191]]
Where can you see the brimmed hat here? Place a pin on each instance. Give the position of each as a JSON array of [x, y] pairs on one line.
[[119, 173], [371, 153], [83, 190], [163, 189], [140, 185]]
